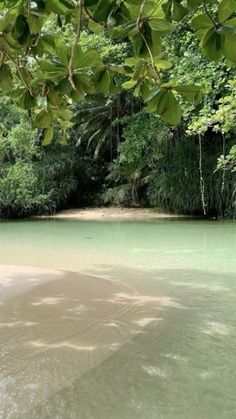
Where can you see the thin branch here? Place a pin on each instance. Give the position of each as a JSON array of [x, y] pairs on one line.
[[79, 6], [158, 76], [37, 40], [209, 15], [90, 16], [155, 8], [1, 58], [19, 71], [139, 19], [139, 29]]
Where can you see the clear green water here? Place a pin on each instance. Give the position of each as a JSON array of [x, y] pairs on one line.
[[158, 341]]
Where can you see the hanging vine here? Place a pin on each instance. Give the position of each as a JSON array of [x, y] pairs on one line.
[[202, 183], [223, 173]]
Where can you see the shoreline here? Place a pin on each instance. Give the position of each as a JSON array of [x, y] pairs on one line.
[[111, 213]]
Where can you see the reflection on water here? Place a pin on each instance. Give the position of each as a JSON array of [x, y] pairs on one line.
[[146, 341]]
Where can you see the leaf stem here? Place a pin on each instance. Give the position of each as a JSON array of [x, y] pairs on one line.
[[90, 16], [19, 71], [208, 14], [139, 29], [79, 7], [158, 76], [139, 19]]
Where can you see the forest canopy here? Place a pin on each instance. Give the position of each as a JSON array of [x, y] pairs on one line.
[[45, 67], [144, 90]]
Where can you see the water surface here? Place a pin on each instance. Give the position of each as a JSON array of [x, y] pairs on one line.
[[126, 320]]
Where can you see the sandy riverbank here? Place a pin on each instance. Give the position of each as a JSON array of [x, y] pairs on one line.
[[112, 213]]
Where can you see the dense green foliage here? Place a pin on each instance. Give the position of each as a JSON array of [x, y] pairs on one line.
[[43, 60], [159, 167], [36, 179], [32, 181], [104, 98]]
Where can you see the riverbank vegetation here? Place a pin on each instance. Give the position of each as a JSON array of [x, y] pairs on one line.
[[115, 143]]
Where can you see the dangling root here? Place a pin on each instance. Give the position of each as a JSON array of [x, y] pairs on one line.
[[223, 174], [202, 183]]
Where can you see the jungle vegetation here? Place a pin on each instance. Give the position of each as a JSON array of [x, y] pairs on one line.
[[118, 102]]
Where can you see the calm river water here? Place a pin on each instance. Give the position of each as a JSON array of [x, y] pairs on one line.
[[117, 320]]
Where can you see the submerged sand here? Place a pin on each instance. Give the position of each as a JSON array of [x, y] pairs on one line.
[[112, 213], [55, 326]]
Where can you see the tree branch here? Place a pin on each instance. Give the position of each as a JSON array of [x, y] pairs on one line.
[[139, 19], [158, 76], [139, 29], [19, 71], [208, 14], [79, 6]]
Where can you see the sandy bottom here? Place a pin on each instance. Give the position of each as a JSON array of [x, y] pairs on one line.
[[55, 326], [112, 213]]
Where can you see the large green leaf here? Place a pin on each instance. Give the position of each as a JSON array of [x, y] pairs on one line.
[[35, 23], [48, 136], [201, 22], [226, 9], [103, 10], [139, 45], [178, 11], [62, 7], [148, 41], [64, 138], [61, 51], [160, 25], [86, 59], [132, 61], [189, 92], [155, 44], [64, 114], [165, 104], [84, 83], [53, 70], [13, 12], [129, 84], [174, 10], [144, 89], [94, 26], [103, 82], [5, 77], [45, 44], [27, 101], [230, 47], [162, 64], [54, 98], [21, 30], [43, 119], [124, 30], [212, 44], [17, 93]]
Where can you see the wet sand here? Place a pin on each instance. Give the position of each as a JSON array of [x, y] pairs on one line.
[[112, 213]]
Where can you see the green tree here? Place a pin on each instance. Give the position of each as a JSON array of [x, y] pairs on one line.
[[44, 73], [159, 167], [32, 179]]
